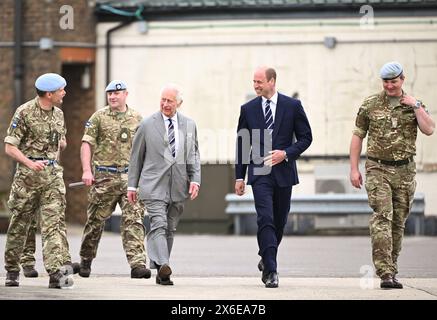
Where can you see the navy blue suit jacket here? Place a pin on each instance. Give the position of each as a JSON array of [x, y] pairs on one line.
[[292, 133]]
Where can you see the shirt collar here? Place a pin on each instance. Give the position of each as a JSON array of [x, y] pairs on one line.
[[114, 113], [174, 118], [273, 99], [384, 94], [38, 104]]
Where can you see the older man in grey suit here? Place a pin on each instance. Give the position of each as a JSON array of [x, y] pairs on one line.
[[165, 169]]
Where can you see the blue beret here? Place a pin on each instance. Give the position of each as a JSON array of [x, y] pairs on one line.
[[391, 70], [50, 82], [116, 85]]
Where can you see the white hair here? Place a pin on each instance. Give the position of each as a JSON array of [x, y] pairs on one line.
[[175, 87]]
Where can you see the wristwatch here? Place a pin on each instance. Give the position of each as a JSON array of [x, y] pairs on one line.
[[285, 155], [418, 104]]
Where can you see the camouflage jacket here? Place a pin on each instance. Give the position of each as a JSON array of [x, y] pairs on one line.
[[111, 134], [35, 131], [392, 130]]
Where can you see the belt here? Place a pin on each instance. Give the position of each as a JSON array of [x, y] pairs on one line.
[[50, 162], [394, 163], [112, 169]]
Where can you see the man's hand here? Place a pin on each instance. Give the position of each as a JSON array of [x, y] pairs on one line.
[[194, 190], [275, 157], [132, 196], [356, 178], [239, 187], [37, 165], [88, 178], [408, 100]]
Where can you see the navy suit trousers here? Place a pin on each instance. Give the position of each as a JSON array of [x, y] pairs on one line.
[[272, 205]]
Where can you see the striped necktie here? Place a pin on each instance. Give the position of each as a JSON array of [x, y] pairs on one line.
[[269, 117], [171, 137]]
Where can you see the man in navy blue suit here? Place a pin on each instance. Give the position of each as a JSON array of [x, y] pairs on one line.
[[273, 131]]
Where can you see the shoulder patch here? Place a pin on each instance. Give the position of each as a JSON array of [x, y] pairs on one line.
[[14, 123]]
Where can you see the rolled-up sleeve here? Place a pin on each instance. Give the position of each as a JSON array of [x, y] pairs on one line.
[[17, 129], [91, 130], [361, 123]]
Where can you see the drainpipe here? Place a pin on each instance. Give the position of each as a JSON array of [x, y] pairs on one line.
[[18, 61], [108, 49]]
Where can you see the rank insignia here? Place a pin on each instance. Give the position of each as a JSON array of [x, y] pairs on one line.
[[124, 134]]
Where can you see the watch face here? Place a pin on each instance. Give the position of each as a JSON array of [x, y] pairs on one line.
[[418, 104]]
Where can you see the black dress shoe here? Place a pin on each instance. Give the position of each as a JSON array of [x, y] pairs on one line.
[[164, 271], [261, 265], [164, 281], [163, 276], [272, 280], [264, 276]]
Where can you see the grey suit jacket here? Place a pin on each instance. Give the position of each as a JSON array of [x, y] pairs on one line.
[[152, 167]]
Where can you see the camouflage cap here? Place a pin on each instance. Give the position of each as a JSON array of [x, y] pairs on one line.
[[391, 70], [50, 82], [116, 85]]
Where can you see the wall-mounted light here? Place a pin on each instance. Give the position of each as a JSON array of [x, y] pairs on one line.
[[85, 79], [46, 43], [330, 42], [143, 27]]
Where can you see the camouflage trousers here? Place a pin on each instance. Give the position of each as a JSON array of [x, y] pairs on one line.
[[40, 192], [28, 256], [103, 199], [391, 193]]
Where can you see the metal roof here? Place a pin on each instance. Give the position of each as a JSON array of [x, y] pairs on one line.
[[163, 9]]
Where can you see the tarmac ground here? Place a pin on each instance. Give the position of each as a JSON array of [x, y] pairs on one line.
[[216, 268]]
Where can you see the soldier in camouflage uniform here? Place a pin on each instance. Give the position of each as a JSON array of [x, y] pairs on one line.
[[108, 140], [34, 139], [390, 118]]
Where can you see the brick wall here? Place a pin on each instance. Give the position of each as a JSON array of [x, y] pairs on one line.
[[6, 87], [78, 107], [41, 19]]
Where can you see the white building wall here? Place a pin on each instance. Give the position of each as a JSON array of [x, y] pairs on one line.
[[214, 64]]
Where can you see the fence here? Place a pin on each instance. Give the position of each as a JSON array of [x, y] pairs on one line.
[[320, 212]]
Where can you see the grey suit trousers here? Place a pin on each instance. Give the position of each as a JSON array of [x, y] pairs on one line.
[[164, 217]]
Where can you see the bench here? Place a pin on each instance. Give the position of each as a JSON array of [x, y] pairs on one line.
[[318, 212]]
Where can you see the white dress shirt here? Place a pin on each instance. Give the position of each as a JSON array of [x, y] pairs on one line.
[[176, 129], [273, 103]]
